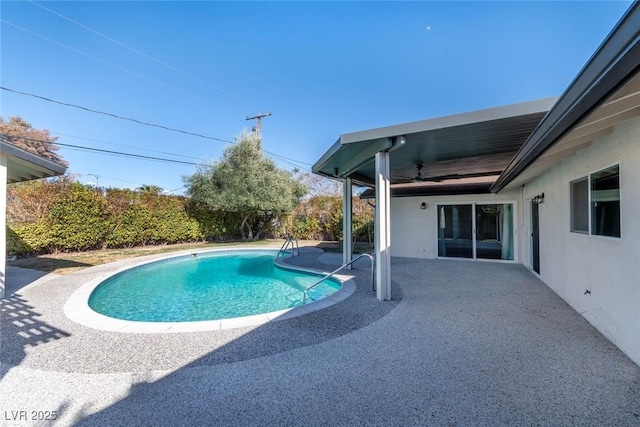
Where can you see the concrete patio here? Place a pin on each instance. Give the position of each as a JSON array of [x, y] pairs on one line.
[[462, 343]]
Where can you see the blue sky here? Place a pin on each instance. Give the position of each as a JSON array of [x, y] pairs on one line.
[[321, 68]]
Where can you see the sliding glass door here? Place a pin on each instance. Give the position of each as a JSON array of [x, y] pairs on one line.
[[455, 231], [494, 231], [479, 230]]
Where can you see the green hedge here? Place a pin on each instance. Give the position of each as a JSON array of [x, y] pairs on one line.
[[320, 218], [69, 216], [81, 218]]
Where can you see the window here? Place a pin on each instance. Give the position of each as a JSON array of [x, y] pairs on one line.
[[605, 202], [580, 206], [595, 203]]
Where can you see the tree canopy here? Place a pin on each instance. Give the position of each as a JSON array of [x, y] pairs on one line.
[[246, 183], [20, 133]]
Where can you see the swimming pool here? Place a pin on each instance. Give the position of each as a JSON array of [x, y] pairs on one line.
[[206, 286], [202, 291]]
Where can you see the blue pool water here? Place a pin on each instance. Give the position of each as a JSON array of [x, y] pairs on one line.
[[207, 286]]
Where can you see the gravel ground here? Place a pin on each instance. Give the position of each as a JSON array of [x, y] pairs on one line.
[[462, 343]]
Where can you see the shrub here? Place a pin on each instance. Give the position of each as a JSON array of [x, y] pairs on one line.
[[79, 219]]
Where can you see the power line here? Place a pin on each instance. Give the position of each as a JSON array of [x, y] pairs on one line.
[[115, 115], [138, 52], [111, 152], [124, 145], [74, 147], [118, 67], [110, 177], [118, 153], [175, 189], [282, 158], [290, 159]]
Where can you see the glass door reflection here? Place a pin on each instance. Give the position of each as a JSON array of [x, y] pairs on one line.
[[491, 223], [455, 231], [494, 231]]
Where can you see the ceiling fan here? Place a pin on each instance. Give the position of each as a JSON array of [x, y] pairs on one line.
[[420, 178], [417, 178]]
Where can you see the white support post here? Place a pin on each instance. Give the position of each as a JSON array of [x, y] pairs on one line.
[[347, 222], [3, 222], [383, 227]]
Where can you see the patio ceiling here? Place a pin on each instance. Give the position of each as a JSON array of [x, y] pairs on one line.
[[24, 166], [457, 147]]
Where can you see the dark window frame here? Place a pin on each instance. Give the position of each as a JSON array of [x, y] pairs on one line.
[[594, 213], [580, 205]]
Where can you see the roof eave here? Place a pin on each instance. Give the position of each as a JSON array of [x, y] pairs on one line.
[[611, 65], [326, 157], [461, 119], [39, 166]]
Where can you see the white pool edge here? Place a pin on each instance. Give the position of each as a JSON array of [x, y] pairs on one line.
[[77, 307]]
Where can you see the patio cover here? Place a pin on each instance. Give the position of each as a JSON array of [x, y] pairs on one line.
[[443, 155], [472, 144], [17, 165]]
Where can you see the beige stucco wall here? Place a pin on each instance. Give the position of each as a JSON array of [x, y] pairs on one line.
[[571, 263], [414, 232]]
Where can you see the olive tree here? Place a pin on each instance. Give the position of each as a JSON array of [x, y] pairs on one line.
[[246, 183]]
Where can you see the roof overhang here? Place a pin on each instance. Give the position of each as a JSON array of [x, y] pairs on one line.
[[479, 185], [605, 93], [464, 146], [24, 166]]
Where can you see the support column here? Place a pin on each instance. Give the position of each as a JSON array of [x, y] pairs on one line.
[[347, 221], [383, 227], [3, 222]]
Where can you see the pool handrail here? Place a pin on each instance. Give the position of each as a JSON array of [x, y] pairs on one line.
[[326, 276], [294, 246]]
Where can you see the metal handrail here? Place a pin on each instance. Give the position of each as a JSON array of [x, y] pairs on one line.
[[373, 277], [294, 246]]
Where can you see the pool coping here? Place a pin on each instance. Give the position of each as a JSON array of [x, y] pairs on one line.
[[77, 309]]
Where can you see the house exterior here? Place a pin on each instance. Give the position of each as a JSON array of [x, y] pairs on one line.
[[18, 165], [550, 184]]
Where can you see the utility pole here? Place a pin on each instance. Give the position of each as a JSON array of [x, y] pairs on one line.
[[97, 178], [258, 128]]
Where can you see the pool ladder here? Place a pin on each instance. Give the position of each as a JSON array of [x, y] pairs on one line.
[[373, 273], [290, 242]]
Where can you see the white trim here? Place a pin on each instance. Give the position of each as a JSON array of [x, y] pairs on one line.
[[3, 220], [588, 175]]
